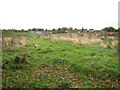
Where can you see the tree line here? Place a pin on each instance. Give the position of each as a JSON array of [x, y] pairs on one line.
[[110, 29], [61, 30]]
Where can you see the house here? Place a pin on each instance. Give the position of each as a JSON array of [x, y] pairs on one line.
[[85, 30], [97, 30], [91, 30], [79, 30], [68, 31], [38, 32], [75, 31]]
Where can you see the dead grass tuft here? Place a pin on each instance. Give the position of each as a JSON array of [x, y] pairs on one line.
[[115, 46], [104, 45], [14, 42]]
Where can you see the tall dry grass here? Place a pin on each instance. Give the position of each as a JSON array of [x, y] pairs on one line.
[[86, 39], [14, 42], [83, 38], [113, 45]]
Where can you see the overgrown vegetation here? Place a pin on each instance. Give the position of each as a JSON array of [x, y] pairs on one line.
[[43, 63]]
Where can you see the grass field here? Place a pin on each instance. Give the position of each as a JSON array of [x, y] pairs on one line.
[[60, 65]]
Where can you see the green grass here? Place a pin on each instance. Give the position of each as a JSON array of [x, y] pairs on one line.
[[61, 64], [11, 33]]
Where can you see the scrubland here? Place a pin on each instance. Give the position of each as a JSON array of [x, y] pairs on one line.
[[60, 61]]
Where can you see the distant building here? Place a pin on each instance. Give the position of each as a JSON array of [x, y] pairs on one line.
[[67, 31], [75, 31], [97, 30], [91, 30], [85, 30], [102, 31], [79, 30], [38, 32]]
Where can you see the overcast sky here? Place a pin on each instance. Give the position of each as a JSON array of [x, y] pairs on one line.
[[119, 15], [89, 14]]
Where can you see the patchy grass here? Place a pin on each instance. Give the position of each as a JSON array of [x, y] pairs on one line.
[[60, 65], [11, 33]]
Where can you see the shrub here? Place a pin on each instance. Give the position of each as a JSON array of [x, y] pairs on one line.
[[17, 59]]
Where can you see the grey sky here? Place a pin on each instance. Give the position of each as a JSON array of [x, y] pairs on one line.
[[25, 14], [119, 14]]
